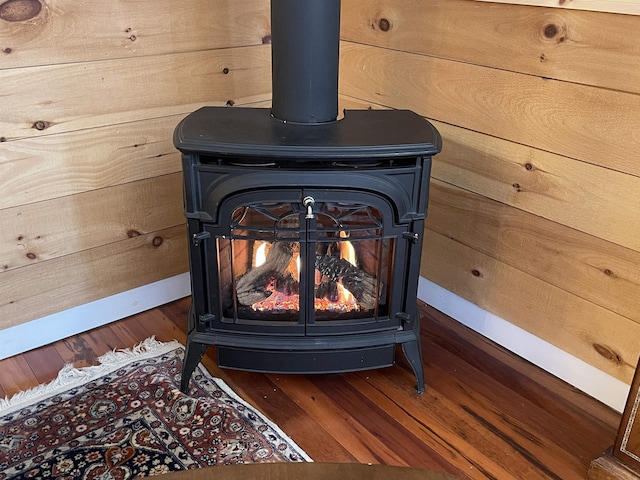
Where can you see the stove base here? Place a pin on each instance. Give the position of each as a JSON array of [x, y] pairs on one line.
[[306, 361], [310, 358]]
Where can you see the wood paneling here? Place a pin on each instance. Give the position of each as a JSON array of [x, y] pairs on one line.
[[68, 31], [631, 7], [36, 232], [61, 283], [590, 198], [50, 166], [582, 47], [91, 200], [569, 322], [573, 120], [94, 94], [584, 265]]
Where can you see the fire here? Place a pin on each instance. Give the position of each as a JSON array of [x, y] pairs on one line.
[[343, 302], [348, 253], [261, 255], [260, 258]]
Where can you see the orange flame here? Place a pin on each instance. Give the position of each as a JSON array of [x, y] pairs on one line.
[[348, 253], [260, 255]]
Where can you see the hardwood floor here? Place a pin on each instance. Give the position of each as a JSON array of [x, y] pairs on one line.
[[486, 414]]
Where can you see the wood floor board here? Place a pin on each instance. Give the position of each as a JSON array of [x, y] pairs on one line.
[[427, 438], [486, 413], [77, 351], [455, 378], [466, 430], [155, 323], [276, 404], [364, 444], [16, 376], [45, 363], [363, 409], [103, 341], [121, 330], [524, 438], [177, 312], [445, 427], [526, 380]]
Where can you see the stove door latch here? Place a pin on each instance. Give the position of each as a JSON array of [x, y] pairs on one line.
[[308, 203], [404, 317], [412, 237], [198, 237], [206, 320]]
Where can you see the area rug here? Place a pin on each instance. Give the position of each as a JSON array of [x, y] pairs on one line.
[[126, 418]]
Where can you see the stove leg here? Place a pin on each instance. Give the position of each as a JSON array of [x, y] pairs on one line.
[[192, 356], [414, 355]]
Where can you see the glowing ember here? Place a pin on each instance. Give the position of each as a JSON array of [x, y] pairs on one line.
[[280, 301], [346, 302]]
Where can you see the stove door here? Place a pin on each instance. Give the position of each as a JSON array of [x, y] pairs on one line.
[[305, 262], [353, 248]]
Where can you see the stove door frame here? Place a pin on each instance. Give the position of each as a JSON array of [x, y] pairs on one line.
[[306, 324]]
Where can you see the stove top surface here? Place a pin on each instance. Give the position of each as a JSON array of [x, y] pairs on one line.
[[253, 132]]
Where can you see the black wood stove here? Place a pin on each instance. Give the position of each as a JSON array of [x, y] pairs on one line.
[[305, 231]]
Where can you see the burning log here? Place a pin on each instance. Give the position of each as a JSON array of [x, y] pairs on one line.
[[251, 287], [328, 290], [361, 284], [286, 284]]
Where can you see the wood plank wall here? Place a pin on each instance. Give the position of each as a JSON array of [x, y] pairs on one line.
[[535, 203], [90, 92]]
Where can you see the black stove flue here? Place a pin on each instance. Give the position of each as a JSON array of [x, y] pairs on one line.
[[305, 49], [305, 231]]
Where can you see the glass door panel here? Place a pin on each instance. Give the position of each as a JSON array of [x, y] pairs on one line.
[[352, 271], [260, 264]]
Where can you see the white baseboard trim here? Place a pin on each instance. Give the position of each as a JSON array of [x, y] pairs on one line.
[[51, 328], [602, 386]]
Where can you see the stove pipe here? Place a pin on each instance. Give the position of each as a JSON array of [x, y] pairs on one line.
[[305, 49]]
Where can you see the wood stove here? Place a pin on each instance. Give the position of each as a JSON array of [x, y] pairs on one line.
[[305, 231]]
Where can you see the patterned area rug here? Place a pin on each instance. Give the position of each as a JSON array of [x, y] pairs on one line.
[[126, 418]]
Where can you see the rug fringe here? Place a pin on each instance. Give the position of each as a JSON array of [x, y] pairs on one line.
[[69, 376]]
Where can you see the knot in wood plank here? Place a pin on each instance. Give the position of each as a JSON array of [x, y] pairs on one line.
[[608, 353], [384, 24], [19, 10]]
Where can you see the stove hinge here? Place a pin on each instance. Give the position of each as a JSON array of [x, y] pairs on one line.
[[404, 317], [206, 320], [198, 237], [412, 237]]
